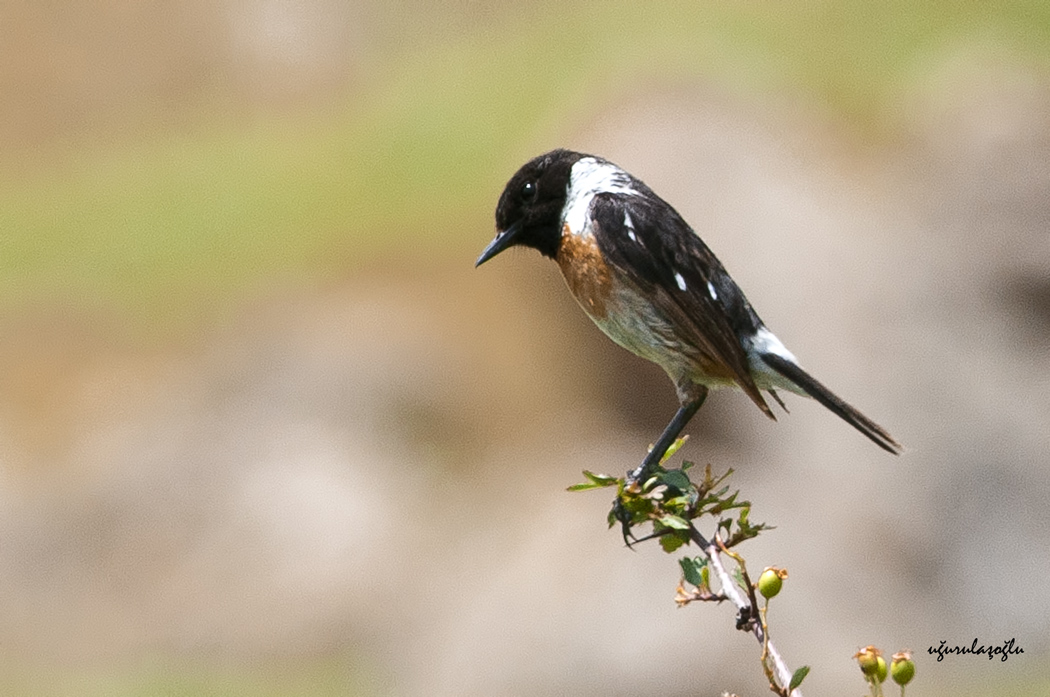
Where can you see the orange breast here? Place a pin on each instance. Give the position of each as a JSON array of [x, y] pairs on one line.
[[663, 335], [585, 272]]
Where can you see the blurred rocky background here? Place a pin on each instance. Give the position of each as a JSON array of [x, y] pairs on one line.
[[264, 430]]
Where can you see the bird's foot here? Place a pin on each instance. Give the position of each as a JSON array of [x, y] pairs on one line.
[[621, 514], [635, 477], [640, 474]]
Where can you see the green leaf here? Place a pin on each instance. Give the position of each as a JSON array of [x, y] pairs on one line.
[[595, 481], [671, 541], [678, 502], [638, 507], [692, 569], [673, 449], [674, 522], [676, 479], [650, 483], [798, 677]]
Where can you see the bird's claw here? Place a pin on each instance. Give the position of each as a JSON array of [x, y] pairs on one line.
[[621, 514]]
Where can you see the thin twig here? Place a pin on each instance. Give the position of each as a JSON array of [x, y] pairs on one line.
[[730, 589]]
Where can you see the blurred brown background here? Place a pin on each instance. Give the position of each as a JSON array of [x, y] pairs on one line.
[[264, 429]]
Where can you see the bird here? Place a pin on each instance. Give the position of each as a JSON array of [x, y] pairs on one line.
[[650, 283]]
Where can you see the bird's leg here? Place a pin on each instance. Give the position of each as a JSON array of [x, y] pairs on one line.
[[668, 437]]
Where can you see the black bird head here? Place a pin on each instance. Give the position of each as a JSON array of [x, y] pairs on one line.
[[529, 211]]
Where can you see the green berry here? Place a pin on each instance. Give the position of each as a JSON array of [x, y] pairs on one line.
[[771, 581], [881, 671], [868, 658], [902, 668]]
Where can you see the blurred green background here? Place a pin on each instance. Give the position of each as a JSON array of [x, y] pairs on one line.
[[259, 417], [157, 152]]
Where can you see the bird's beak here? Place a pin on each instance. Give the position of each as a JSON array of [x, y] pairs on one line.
[[502, 240]]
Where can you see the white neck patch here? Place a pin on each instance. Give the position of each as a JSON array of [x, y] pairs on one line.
[[588, 178]]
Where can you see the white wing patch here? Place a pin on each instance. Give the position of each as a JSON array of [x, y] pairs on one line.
[[629, 224], [711, 291], [765, 341], [589, 177], [681, 281]]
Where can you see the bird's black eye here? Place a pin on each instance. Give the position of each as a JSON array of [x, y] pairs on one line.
[[529, 191]]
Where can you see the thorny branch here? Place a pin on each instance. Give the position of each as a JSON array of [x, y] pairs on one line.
[[748, 608], [671, 501]]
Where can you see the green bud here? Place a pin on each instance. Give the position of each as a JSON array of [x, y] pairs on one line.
[[881, 671], [868, 659], [902, 668]]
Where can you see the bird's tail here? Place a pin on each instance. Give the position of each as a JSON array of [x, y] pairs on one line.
[[809, 384]]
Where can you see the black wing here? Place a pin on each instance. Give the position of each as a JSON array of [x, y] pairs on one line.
[[648, 242]]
